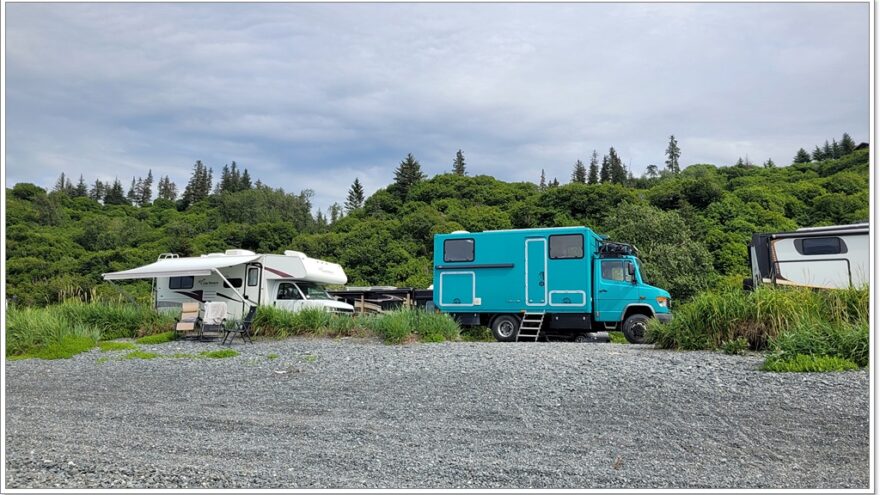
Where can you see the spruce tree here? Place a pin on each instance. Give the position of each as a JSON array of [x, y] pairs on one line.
[[115, 194], [769, 163], [320, 220], [847, 145], [61, 183], [245, 182], [97, 191], [458, 165], [408, 174], [835, 149], [225, 184], [199, 185], [131, 196], [802, 156], [579, 174], [593, 176], [673, 153], [651, 171], [235, 177], [81, 190], [618, 172], [827, 151], [554, 182], [605, 171], [543, 184], [355, 197], [335, 212], [740, 163], [145, 190], [818, 154]]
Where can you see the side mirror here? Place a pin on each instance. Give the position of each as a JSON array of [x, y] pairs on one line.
[[631, 271]]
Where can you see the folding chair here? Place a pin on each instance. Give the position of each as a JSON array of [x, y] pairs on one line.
[[188, 319], [243, 329], [213, 320]]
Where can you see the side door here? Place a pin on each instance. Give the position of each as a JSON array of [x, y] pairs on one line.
[[288, 297], [614, 288], [536, 272], [252, 282]]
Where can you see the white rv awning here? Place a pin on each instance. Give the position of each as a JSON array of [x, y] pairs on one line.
[[181, 267]]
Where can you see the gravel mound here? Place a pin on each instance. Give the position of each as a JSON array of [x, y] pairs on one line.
[[356, 413]]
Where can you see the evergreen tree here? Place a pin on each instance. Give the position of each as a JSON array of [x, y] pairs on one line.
[[145, 190], [554, 183], [618, 172], [458, 166], [320, 220], [740, 163], [651, 171], [115, 194], [543, 184], [61, 184], [166, 189], [835, 149], [818, 154], [225, 184], [605, 172], [245, 182], [235, 177], [769, 163], [199, 185], [131, 196], [408, 174], [97, 191], [579, 174], [847, 145], [335, 212], [827, 151], [673, 153], [593, 176], [355, 197], [802, 156], [81, 190]]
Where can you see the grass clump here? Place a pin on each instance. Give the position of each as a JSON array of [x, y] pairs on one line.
[[159, 338], [808, 363], [789, 322], [108, 346], [617, 338], [219, 354], [140, 355], [272, 356], [477, 334]]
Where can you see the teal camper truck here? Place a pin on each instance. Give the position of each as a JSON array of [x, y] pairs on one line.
[[524, 284]]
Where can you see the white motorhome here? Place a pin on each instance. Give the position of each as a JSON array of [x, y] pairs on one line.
[[820, 257], [241, 279]]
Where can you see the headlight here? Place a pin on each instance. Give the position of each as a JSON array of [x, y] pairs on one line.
[[663, 301]]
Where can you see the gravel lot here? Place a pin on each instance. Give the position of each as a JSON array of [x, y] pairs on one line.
[[353, 413]]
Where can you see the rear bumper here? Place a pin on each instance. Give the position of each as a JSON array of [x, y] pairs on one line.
[[664, 317]]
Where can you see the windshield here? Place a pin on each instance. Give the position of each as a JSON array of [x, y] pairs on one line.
[[641, 270], [313, 291]]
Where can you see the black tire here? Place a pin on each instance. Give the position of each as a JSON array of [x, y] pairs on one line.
[[634, 329], [505, 328]]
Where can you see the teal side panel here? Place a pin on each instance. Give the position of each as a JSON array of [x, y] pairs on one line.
[[457, 288], [535, 271]]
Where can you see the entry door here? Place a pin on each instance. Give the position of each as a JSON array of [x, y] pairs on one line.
[[536, 272], [614, 289], [252, 282], [287, 296]]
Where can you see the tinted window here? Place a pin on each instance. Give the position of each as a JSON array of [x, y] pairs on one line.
[[822, 245], [236, 282], [616, 270], [288, 291], [253, 276], [180, 283], [566, 246], [458, 250]]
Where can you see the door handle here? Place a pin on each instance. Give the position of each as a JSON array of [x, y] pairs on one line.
[[602, 290]]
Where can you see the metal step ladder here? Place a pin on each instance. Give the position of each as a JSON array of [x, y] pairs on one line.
[[530, 327]]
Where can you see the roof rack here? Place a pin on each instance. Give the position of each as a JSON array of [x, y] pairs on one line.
[[609, 249]]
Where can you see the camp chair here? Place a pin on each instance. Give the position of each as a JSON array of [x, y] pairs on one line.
[[213, 320], [243, 329], [188, 319]]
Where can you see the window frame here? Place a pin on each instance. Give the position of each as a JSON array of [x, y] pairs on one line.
[[623, 262], [802, 248], [473, 244], [250, 270], [296, 290], [550, 247], [179, 286], [232, 281]]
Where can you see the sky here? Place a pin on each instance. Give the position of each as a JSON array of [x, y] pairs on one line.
[[311, 96]]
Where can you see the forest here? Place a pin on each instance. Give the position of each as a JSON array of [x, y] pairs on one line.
[[691, 224]]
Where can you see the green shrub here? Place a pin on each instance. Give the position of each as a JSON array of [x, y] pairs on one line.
[[117, 320], [617, 338], [219, 354], [108, 346], [46, 332], [477, 334], [159, 338], [849, 341], [809, 363]]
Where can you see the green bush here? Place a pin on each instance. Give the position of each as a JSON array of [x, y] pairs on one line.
[[809, 363], [735, 346], [45, 332], [849, 341]]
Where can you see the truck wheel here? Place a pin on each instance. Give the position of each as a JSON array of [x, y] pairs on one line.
[[504, 328], [634, 329]]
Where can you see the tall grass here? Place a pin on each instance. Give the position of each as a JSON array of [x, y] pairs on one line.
[[787, 321], [70, 326], [393, 327]]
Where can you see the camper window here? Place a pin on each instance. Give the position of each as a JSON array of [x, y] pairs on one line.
[[313, 290], [617, 271], [821, 245], [569, 246], [236, 282], [180, 283], [458, 250], [253, 276]]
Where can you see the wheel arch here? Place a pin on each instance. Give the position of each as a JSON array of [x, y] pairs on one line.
[[637, 309]]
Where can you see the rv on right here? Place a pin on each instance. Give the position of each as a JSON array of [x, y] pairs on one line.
[[833, 257]]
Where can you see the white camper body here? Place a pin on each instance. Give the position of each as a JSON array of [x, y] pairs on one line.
[[821, 257], [242, 278]]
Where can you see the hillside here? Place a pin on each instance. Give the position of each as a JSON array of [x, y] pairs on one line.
[[691, 228]]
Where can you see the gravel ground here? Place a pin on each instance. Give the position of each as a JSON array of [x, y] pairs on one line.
[[355, 413]]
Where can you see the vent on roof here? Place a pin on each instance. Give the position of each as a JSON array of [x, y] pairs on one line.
[[239, 252], [295, 253]]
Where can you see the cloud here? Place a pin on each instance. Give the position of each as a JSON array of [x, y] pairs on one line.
[[313, 95]]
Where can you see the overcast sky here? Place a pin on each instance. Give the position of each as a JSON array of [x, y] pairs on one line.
[[314, 95]]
